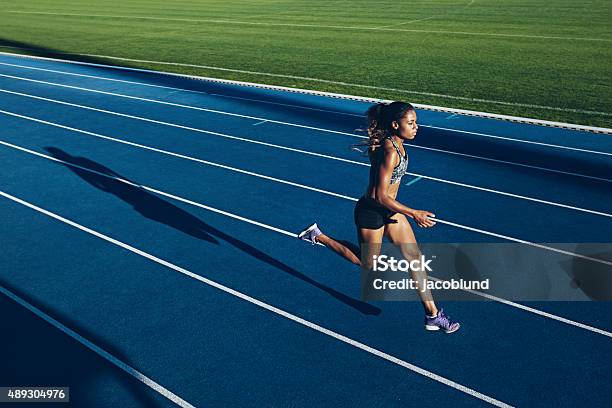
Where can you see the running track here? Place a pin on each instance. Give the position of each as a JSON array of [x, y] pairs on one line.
[[148, 249]]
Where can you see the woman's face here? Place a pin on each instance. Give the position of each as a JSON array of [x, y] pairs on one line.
[[407, 126]]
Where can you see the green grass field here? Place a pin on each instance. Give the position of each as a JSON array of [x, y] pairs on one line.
[[541, 59]]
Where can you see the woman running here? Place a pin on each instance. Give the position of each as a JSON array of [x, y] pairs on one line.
[[378, 213]]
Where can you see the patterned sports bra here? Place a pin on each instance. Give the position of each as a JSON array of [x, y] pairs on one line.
[[402, 167]]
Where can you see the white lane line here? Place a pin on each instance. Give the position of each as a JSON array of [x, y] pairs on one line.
[[521, 197], [178, 105], [577, 149], [172, 88], [534, 311], [259, 123], [302, 107], [265, 306], [181, 156], [486, 115], [529, 166], [165, 152], [327, 81], [289, 149], [261, 23], [96, 349], [293, 235], [173, 125], [301, 126], [184, 200], [522, 241], [307, 108]]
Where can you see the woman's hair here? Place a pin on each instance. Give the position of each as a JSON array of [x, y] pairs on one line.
[[379, 118]]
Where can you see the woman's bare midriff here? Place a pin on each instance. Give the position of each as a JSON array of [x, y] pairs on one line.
[[391, 191]]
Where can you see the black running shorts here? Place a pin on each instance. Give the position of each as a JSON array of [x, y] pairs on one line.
[[371, 215]]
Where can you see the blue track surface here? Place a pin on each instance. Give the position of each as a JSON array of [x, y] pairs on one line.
[[210, 347]]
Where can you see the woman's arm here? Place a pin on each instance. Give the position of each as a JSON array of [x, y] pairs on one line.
[[383, 182]]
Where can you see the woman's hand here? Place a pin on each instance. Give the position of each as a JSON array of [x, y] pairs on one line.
[[422, 218]]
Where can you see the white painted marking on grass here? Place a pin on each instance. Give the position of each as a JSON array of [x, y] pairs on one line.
[[309, 108], [407, 22], [484, 232], [405, 91], [292, 150], [293, 235], [465, 112], [93, 347], [293, 125], [428, 18], [261, 23], [264, 305]]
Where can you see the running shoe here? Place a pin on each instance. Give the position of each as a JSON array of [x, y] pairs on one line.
[[441, 321], [310, 233]]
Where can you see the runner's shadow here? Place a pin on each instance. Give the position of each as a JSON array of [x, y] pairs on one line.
[[156, 209]]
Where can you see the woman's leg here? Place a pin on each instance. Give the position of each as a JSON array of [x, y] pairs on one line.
[[370, 242], [401, 234], [351, 252], [345, 249]]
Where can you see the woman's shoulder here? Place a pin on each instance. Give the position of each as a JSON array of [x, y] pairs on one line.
[[384, 150], [387, 145], [382, 146]]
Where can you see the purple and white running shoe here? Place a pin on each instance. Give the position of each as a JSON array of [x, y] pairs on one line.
[[309, 234], [441, 321]]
